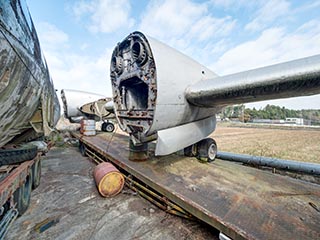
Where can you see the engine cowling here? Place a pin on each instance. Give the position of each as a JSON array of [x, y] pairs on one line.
[[149, 80]]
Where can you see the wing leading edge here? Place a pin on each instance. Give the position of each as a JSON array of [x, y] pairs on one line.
[[290, 79]]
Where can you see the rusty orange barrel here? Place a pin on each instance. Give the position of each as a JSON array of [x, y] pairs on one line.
[[108, 179]]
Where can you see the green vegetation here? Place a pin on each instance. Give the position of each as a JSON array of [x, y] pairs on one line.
[[270, 112]]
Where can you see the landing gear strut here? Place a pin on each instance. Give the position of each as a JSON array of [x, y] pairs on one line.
[[204, 150]]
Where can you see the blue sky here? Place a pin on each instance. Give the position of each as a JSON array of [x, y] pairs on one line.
[[227, 36]]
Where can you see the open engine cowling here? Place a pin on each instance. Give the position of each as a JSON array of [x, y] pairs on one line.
[[149, 80], [161, 93]]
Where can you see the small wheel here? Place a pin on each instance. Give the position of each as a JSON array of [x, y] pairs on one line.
[[188, 151], [109, 127], [103, 127], [207, 150], [82, 149], [22, 195], [36, 172]]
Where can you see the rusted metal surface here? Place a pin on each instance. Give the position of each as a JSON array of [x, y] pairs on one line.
[[68, 192], [97, 108], [149, 80], [241, 202], [109, 180], [289, 165], [78, 104], [14, 180], [25, 83], [160, 201], [147, 193]]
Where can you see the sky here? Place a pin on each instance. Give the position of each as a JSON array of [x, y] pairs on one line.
[[228, 36]]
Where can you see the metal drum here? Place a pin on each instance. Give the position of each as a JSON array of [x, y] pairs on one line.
[[108, 179], [88, 127]]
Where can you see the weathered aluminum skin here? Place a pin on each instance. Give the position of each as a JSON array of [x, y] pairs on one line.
[[291, 79], [169, 140], [156, 88], [29, 105], [73, 100], [239, 201], [149, 80]]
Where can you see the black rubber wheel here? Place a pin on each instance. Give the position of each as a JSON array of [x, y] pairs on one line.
[[82, 149], [103, 127], [22, 195], [188, 151], [36, 173], [107, 127], [17, 155], [207, 150], [110, 127]]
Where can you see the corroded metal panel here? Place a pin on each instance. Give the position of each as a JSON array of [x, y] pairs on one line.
[[25, 84], [148, 81], [241, 202], [73, 100], [15, 179]]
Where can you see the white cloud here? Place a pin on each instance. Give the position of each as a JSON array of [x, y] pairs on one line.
[[274, 45], [173, 18], [50, 36], [187, 26], [84, 73], [182, 23], [308, 6], [268, 13], [71, 70], [234, 4], [193, 27], [207, 26], [106, 15]]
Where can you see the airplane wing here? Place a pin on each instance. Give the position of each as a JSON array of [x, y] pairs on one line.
[[291, 79]]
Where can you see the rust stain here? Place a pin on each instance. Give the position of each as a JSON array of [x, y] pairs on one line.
[[241, 202], [286, 194]]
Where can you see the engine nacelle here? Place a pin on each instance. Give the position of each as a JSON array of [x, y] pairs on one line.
[[73, 100], [149, 80], [160, 93]]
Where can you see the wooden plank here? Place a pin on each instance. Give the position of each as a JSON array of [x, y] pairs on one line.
[[241, 202]]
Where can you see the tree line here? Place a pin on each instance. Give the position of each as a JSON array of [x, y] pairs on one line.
[[270, 112]]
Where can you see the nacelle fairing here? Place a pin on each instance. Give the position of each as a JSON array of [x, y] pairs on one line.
[[159, 93], [149, 80]]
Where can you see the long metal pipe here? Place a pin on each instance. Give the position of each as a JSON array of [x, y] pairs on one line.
[[290, 165]]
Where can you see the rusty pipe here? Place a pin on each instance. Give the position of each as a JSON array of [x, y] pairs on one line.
[[290, 165]]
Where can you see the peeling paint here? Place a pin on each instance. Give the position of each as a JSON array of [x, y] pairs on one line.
[[25, 83]]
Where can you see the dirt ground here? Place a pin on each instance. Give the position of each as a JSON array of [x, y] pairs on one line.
[[300, 145], [68, 195]]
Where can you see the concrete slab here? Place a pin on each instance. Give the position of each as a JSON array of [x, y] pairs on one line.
[[68, 193]]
